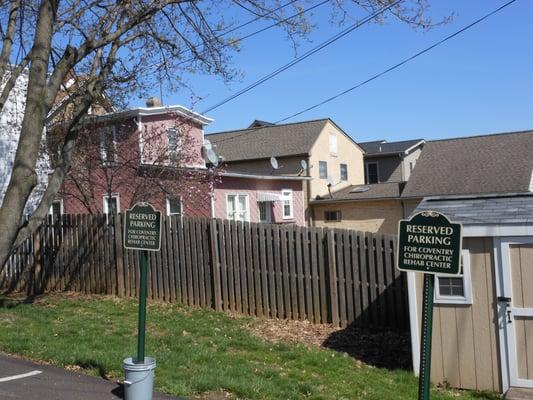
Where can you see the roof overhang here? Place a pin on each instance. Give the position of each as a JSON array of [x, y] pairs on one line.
[[334, 201], [143, 111], [269, 177]]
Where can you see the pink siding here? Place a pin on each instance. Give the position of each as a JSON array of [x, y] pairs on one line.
[[252, 187]]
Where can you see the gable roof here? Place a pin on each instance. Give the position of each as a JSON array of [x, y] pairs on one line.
[[376, 191], [489, 164], [265, 141], [382, 147]]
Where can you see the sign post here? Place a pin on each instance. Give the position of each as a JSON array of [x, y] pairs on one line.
[[142, 231], [430, 244]]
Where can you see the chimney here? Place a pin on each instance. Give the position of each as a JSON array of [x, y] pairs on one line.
[[153, 102]]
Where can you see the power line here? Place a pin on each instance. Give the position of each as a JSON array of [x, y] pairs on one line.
[[307, 54], [427, 49], [405, 61]]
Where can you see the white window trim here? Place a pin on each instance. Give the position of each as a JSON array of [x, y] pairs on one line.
[[113, 195], [247, 203], [467, 284], [285, 197], [105, 131], [368, 175], [61, 211], [181, 206]]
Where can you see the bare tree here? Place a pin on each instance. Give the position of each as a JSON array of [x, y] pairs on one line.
[[120, 48]]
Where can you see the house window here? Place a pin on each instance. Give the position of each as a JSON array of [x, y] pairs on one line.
[[330, 216], [174, 206], [456, 289], [112, 204], [344, 172], [333, 144], [56, 209], [286, 195], [238, 207], [108, 145], [173, 143], [265, 211], [372, 174], [323, 169]]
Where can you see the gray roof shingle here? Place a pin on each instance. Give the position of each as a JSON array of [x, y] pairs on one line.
[[267, 141], [380, 147], [482, 210], [377, 191], [499, 163]]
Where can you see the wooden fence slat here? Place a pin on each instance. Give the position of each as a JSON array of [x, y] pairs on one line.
[[284, 242], [228, 232], [257, 270], [355, 269], [307, 274], [314, 276], [332, 270], [299, 273], [201, 283], [380, 281], [249, 268], [223, 263], [236, 265], [165, 230], [349, 286], [215, 265], [273, 311], [341, 280], [293, 273], [242, 268], [278, 272], [263, 264]]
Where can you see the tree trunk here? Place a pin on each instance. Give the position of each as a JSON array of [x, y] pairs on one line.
[[23, 176]]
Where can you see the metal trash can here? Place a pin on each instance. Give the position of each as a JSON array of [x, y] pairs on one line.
[[139, 381]]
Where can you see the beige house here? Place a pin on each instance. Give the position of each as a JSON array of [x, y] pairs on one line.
[[375, 206], [483, 318], [319, 150]]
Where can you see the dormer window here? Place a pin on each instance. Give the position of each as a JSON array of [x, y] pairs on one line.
[[108, 145]]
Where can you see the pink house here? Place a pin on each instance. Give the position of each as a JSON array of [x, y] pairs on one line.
[[154, 154]]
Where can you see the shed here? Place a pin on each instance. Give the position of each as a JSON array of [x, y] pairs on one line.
[[483, 319]]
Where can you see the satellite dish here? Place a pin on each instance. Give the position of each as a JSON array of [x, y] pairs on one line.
[[303, 163], [209, 155], [207, 144], [274, 162]]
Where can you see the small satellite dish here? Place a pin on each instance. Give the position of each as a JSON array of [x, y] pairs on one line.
[[207, 144], [303, 163], [209, 155], [274, 162]]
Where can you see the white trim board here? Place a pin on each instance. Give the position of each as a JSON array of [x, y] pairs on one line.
[[498, 230]]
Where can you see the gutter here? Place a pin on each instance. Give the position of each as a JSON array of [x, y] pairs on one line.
[[271, 177], [141, 111], [333, 201]]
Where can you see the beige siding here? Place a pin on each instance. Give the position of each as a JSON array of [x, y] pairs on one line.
[[465, 350], [408, 159], [347, 153], [369, 216]]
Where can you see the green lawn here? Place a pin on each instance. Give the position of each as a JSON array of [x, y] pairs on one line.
[[197, 352]]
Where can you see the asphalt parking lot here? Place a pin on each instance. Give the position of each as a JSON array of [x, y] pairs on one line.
[[21, 379]]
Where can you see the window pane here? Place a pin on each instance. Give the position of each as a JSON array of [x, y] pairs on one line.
[[333, 144], [112, 205], [108, 145], [372, 173], [344, 172], [231, 206], [172, 142], [174, 206], [323, 169], [451, 286]]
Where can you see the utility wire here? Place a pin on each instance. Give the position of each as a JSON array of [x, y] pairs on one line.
[[405, 61], [427, 49], [307, 54]]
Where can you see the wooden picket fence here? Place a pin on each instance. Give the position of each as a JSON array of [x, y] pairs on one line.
[[334, 276]]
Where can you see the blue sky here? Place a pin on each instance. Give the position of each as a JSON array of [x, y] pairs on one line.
[[479, 82]]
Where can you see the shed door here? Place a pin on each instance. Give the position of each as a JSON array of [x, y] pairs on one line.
[[516, 309]]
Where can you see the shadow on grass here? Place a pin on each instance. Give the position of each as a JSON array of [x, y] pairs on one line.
[[382, 349], [11, 301]]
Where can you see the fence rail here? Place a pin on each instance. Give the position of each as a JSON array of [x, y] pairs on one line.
[[322, 275]]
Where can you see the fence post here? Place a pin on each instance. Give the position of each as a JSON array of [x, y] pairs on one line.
[[119, 254], [332, 271], [215, 265], [37, 263]]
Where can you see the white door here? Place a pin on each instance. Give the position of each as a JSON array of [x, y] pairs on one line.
[[515, 308]]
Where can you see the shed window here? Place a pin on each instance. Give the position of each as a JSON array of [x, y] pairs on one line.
[[456, 289], [323, 169], [330, 216]]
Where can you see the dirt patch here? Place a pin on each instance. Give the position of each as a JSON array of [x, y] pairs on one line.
[[383, 349], [294, 332]]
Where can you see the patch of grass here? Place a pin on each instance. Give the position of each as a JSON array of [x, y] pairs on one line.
[[197, 351]]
